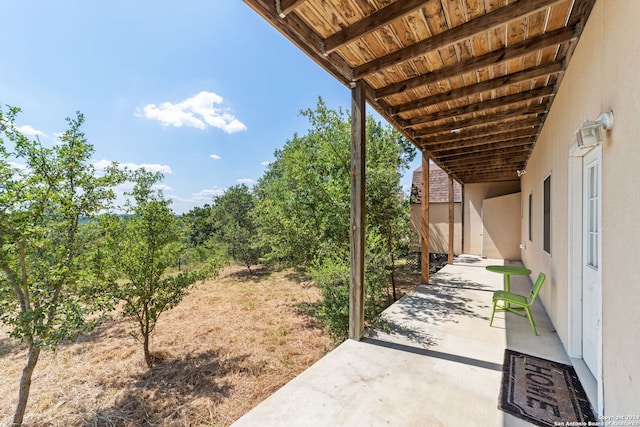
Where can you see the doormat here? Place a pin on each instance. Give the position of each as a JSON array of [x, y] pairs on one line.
[[542, 392]]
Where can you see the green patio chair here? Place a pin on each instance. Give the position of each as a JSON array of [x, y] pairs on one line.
[[512, 300]]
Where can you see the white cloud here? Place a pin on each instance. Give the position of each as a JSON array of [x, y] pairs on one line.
[[101, 164], [28, 130], [127, 186], [215, 157], [201, 196], [207, 194], [124, 187], [198, 112], [19, 166], [266, 163], [247, 181], [162, 187], [25, 129], [151, 167]]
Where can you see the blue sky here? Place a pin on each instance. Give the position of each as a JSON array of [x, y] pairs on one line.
[[203, 91]]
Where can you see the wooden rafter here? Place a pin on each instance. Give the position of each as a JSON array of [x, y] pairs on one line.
[[481, 120], [503, 101], [476, 62], [296, 30], [288, 6], [494, 130], [466, 81], [488, 154], [477, 179], [468, 143], [493, 84], [486, 149], [506, 169], [371, 23], [483, 23], [478, 163]]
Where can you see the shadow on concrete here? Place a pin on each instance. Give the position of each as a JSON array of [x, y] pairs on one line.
[[446, 300], [437, 354], [449, 280], [468, 259]]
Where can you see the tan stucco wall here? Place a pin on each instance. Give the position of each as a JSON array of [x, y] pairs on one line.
[[473, 197], [501, 234], [604, 73], [439, 226]]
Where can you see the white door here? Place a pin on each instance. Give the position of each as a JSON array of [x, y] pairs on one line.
[[591, 258]]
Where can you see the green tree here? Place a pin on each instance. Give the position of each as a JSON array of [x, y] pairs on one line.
[[198, 226], [47, 285], [302, 200], [302, 208], [141, 247], [234, 226], [200, 245]]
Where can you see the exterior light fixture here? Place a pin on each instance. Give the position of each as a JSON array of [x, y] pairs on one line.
[[521, 172], [591, 133]]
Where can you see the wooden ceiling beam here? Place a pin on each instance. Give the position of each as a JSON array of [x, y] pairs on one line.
[[502, 164], [305, 38], [487, 85], [508, 169], [479, 162], [489, 131], [370, 24], [287, 6], [498, 177], [480, 158], [491, 175], [474, 63], [467, 143], [476, 121], [500, 16], [469, 146], [487, 149], [580, 12], [503, 101]]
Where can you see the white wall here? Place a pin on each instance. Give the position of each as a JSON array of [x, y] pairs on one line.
[[439, 227], [501, 234], [473, 197], [604, 74]]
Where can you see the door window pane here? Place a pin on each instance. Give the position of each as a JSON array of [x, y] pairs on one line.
[[593, 201]]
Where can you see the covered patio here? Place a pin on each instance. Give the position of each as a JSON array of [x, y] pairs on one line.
[[432, 360], [470, 84]]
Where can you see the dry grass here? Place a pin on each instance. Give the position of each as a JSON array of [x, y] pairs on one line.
[[230, 344]]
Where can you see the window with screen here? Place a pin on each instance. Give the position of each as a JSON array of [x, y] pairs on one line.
[[546, 239], [530, 217]]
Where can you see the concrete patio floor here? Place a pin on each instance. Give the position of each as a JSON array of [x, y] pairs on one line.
[[432, 361]]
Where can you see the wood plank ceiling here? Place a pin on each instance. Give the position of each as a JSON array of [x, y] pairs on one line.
[[469, 82]]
